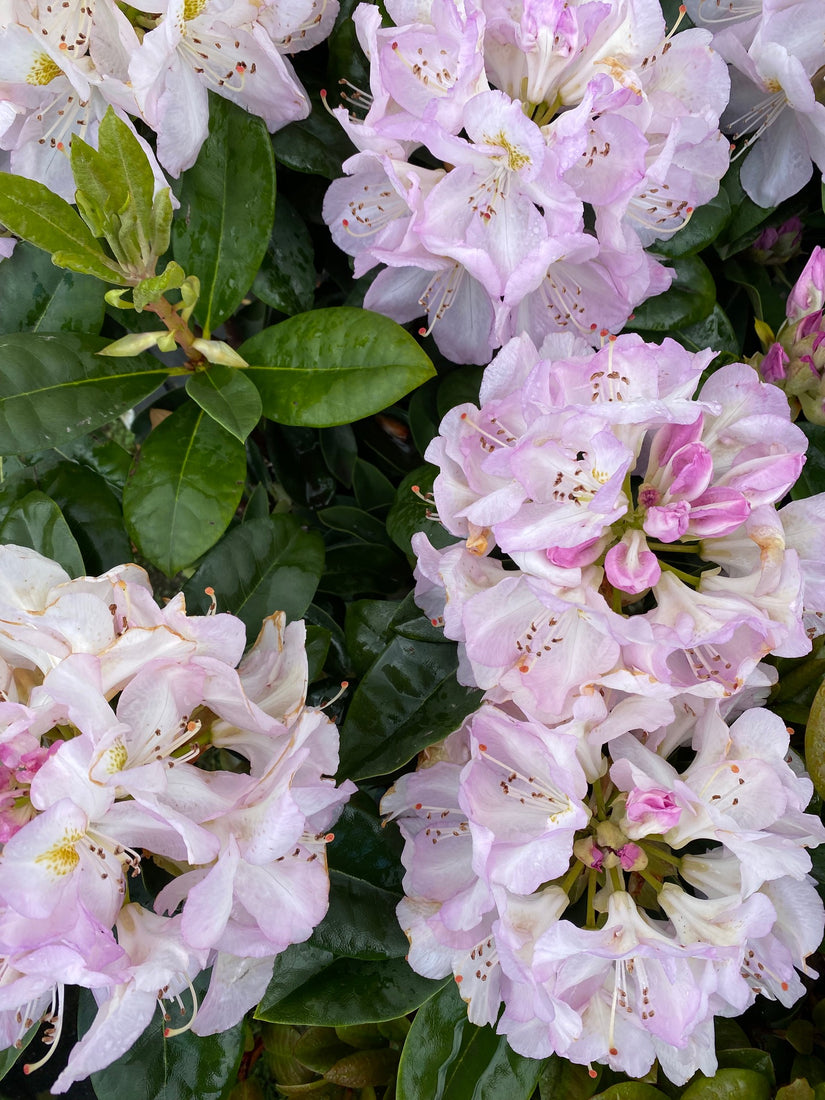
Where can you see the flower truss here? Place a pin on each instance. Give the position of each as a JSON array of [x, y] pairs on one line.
[[514, 162], [61, 66], [622, 571], [91, 789], [776, 52]]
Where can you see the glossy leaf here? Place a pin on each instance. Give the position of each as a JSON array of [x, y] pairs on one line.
[[368, 629], [185, 489], [353, 521], [262, 566], [361, 921], [562, 1079], [364, 848], [286, 278], [310, 987], [183, 1067], [690, 298], [372, 489], [38, 522], [410, 514], [704, 226], [92, 512], [333, 366], [729, 1084], [631, 1090], [229, 398], [364, 569], [54, 388], [31, 211], [408, 699], [39, 297], [446, 1057], [227, 202], [812, 477], [364, 1068], [316, 144], [126, 161], [815, 741]]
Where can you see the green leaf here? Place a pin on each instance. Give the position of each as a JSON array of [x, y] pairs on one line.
[[228, 396], [563, 1080], [446, 1057], [31, 211], [310, 987], [286, 278], [364, 848], [631, 1090], [340, 450], [714, 331], [354, 521], [361, 921], [227, 202], [182, 1067], [410, 514], [263, 566], [316, 144], [812, 477], [364, 1068], [92, 512], [815, 741], [364, 569], [188, 482], [745, 215], [729, 1084], [55, 388], [690, 298], [333, 366], [319, 1048], [705, 225], [39, 297], [372, 489], [408, 699], [38, 522], [118, 144], [367, 627]]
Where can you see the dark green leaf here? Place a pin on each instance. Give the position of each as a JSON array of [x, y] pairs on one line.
[[263, 566], [340, 450], [316, 144], [631, 1090], [361, 921], [410, 514], [228, 396], [372, 489], [745, 215], [705, 225], [446, 1057], [765, 301], [364, 569], [714, 331], [286, 279], [812, 478], [354, 521], [341, 991], [729, 1084], [364, 848], [409, 699], [749, 1058], [36, 296], [333, 366], [459, 388], [367, 630], [227, 202], [563, 1080], [31, 211], [92, 512], [38, 522], [54, 388], [691, 297], [317, 648], [185, 489], [319, 1048], [182, 1067]]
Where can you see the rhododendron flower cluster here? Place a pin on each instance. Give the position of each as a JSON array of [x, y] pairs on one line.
[[61, 66], [514, 163], [776, 116], [613, 847], [113, 713]]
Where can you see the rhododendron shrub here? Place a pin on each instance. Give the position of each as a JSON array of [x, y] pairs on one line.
[[449, 375]]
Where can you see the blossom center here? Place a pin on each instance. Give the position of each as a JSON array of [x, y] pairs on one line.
[[43, 70]]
